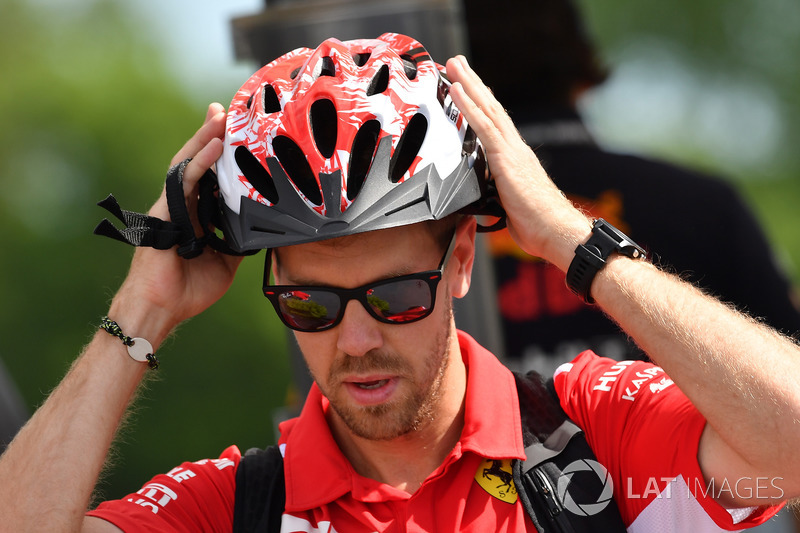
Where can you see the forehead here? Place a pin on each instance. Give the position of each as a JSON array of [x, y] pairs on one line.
[[358, 259]]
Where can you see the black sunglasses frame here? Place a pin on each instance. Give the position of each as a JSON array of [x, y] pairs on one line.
[[431, 277]]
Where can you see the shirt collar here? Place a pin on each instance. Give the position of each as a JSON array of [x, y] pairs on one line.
[[492, 426], [317, 472]]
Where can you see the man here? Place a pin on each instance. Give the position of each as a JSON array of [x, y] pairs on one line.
[[691, 223], [406, 411]]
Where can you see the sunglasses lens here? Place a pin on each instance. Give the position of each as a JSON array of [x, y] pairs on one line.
[[308, 310], [401, 301]]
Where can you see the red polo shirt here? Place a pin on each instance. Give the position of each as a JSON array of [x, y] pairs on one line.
[[323, 489]]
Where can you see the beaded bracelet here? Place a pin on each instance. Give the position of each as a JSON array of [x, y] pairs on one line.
[[138, 348]]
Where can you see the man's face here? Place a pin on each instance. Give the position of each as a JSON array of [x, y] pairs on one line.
[[382, 380]]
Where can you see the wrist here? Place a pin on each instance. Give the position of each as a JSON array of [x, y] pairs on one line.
[[138, 318], [563, 239], [139, 349]]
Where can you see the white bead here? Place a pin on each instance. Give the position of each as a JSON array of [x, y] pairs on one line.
[[140, 349]]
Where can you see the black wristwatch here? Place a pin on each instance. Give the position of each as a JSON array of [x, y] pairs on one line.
[[591, 257]]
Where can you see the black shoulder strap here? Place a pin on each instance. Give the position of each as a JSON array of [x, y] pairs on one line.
[[260, 492], [539, 408], [561, 485]]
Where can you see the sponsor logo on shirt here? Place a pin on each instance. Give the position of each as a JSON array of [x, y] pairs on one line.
[[155, 496], [611, 375], [495, 477], [632, 383], [655, 388]]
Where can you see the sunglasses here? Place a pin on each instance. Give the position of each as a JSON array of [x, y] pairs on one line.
[[398, 300]]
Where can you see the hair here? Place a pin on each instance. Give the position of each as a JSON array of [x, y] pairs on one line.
[[442, 230], [531, 53]]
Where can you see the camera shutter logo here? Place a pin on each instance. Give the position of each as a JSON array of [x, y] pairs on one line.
[[604, 493]]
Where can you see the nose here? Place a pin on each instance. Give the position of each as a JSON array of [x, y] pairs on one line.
[[358, 332]]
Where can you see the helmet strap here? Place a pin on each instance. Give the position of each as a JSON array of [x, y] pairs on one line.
[[145, 230]]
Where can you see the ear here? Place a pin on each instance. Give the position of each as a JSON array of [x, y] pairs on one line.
[[271, 266], [463, 257]]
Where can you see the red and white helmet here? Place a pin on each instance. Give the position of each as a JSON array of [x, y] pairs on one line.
[[353, 136]]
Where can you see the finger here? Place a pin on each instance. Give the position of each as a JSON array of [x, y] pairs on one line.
[[201, 162], [481, 96], [463, 73], [465, 100], [213, 109], [484, 127], [213, 127], [459, 71]]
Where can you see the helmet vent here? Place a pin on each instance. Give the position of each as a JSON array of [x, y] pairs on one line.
[[271, 102], [408, 147], [256, 174], [361, 156], [361, 59], [294, 162], [470, 141], [409, 66], [327, 68], [294, 73], [322, 117], [379, 82]]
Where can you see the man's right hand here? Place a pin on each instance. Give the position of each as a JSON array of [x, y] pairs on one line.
[[163, 289]]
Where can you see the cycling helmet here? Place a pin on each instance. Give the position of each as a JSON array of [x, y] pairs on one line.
[[350, 137]]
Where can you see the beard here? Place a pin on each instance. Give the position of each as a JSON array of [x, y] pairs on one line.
[[411, 408]]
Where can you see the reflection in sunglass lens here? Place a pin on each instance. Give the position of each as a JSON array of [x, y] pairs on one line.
[[401, 301], [309, 309]]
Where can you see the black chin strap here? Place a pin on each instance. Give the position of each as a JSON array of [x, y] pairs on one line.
[[145, 230]]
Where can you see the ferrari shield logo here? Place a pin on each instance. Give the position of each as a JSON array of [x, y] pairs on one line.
[[495, 477]]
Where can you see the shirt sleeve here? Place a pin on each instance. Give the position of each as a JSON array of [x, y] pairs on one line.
[[646, 433], [193, 497]]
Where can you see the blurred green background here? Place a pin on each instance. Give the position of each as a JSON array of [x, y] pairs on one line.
[[91, 103]]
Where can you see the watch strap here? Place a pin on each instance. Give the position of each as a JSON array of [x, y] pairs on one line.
[[591, 257]]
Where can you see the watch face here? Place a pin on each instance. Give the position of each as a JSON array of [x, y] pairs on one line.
[[623, 244]]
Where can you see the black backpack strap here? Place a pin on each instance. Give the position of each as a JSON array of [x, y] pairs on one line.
[[145, 230], [540, 410], [560, 484], [260, 492]]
